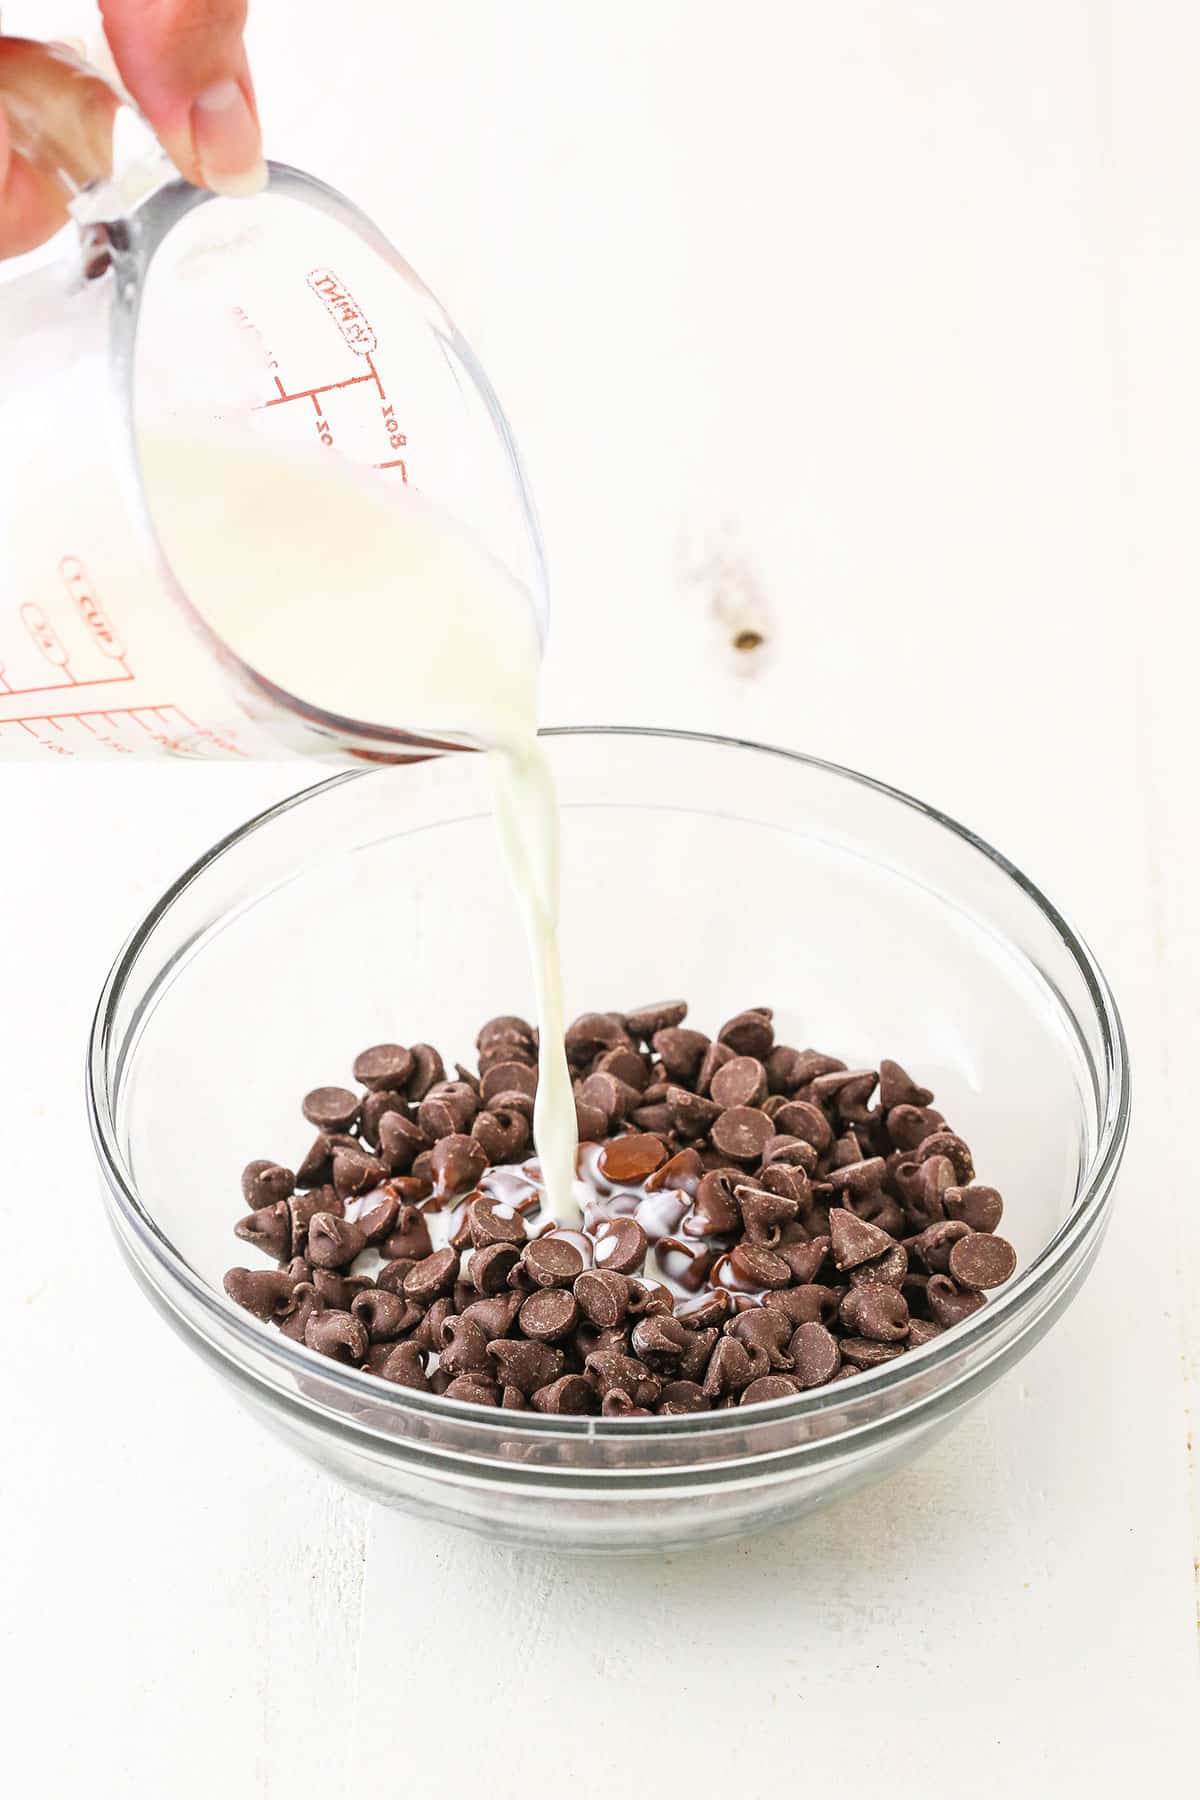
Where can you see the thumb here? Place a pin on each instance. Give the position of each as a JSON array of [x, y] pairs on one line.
[[185, 65]]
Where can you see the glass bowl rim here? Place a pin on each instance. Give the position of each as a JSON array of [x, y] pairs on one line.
[[895, 1379]]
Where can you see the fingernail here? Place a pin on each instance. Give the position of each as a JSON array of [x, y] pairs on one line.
[[227, 141]]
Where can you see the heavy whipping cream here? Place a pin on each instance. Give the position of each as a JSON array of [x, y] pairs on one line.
[[369, 605]]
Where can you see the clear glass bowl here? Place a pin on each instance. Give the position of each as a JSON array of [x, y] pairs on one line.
[[374, 907]]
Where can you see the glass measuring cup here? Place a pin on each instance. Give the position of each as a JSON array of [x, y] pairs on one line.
[[284, 320]]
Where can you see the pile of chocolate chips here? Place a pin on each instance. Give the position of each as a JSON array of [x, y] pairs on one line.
[[759, 1220]]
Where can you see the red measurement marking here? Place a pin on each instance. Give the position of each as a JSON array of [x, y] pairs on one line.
[[45, 637], [344, 310], [398, 464], [328, 387], [375, 374], [78, 584]]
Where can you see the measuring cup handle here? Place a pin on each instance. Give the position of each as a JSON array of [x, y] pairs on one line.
[[60, 112]]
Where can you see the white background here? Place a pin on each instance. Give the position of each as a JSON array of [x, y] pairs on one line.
[[874, 324]]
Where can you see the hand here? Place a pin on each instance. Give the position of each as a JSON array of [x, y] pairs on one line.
[[184, 63]]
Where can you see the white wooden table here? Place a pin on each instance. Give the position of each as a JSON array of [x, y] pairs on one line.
[[880, 318]]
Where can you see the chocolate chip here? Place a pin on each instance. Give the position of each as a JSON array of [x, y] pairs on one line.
[[354, 1172], [756, 1267], [646, 1021], [764, 1215], [715, 1057], [660, 1341], [690, 1114], [603, 1296], [801, 1119], [339, 1291], [508, 1050], [680, 1174], [869, 1353], [338, 1335], [679, 1398], [948, 1303], [315, 1166], [592, 1033], [613, 1370], [859, 1177], [384, 1314], [266, 1183], [626, 1065], [474, 1389], [569, 1394], [509, 1077], [303, 1302], [742, 1082], [769, 1387], [551, 1262], [333, 1243], [908, 1125], [979, 1207], [269, 1228], [649, 1297], [549, 1314], [948, 1143], [409, 1235], [428, 1333], [264, 1292], [741, 1133], [794, 1151], [749, 1033], [400, 1142], [591, 1122], [464, 1348], [888, 1270], [730, 1369], [432, 1276], [854, 1240], [628, 1242], [805, 1260], [492, 1266], [788, 1181], [897, 1087], [630, 1159], [405, 1366], [378, 1102], [657, 1118], [705, 1310], [525, 1365], [613, 1097], [428, 1070], [815, 1355], [810, 1303], [767, 1331], [496, 1313], [456, 1162], [982, 1260], [681, 1050], [331, 1108], [494, 1222], [384, 1066], [923, 1331], [504, 1026], [877, 1312]]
